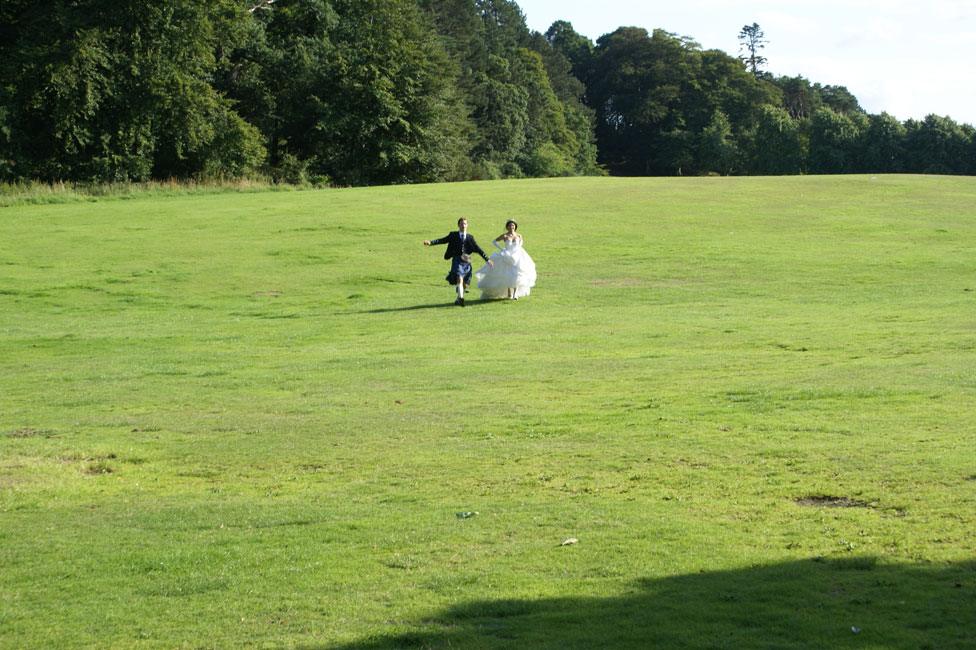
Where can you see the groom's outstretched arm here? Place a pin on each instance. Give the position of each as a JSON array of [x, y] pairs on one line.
[[435, 242]]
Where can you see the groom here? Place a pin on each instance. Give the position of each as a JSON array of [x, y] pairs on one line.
[[460, 245]]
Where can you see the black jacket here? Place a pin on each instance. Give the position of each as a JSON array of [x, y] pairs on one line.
[[455, 247]]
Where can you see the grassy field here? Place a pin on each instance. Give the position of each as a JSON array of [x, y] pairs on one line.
[[257, 420]]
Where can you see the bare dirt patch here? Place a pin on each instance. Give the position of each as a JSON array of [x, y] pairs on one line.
[[828, 501], [29, 432], [98, 467]]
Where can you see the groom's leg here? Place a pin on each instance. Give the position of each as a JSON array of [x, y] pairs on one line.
[[458, 282], [463, 279]]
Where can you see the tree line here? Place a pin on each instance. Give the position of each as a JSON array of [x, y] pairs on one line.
[[664, 106], [361, 92]]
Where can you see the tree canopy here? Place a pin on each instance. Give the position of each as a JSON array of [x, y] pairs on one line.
[[359, 92]]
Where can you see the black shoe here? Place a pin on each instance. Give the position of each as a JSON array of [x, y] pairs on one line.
[[461, 301], [457, 301]]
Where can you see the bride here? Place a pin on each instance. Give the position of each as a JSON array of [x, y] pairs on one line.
[[512, 273]]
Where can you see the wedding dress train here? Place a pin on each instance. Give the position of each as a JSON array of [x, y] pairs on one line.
[[511, 267]]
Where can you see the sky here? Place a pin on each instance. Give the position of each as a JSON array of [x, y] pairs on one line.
[[907, 58]]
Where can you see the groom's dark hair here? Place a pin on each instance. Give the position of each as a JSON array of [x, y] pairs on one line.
[[462, 219]]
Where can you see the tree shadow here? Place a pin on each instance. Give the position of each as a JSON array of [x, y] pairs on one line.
[[851, 603]]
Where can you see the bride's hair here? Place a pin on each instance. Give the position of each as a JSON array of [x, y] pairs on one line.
[[513, 222]]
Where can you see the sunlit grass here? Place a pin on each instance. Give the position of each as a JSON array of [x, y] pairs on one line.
[[232, 419], [39, 193]]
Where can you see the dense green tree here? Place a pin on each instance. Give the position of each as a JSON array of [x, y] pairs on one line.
[[579, 119], [727, 86], [390, 91], [526, 118], [7, 161], [834, 142], [936, 145], [277, 75], [641, 85], [718, 151], [356, 91], [559, 70], [883, 145], [656, 95], [504, 25], [501, 116], [119, 90], [800, 99], [970, 165], [839, 99], [385, 102], [461, 29], [549, 144], [558, 127], [777, 145], [577, 48]]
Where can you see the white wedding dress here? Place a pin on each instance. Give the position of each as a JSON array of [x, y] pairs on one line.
[[511, 267]]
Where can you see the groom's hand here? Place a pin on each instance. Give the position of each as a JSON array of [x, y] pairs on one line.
[[426, 242]]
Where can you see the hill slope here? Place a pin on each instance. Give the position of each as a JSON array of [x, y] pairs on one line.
[[257, 419]]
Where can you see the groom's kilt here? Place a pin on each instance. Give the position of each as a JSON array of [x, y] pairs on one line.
[[460, 267]]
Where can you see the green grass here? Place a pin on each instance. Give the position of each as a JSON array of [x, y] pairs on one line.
[[39, 193], [251, 419]]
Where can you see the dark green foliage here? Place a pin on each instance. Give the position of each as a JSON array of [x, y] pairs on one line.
[[356, 92], [108, 91], [970, 155], [883, 145], [665, 107], [839, 99], [800, 99], [834, 141], [576, 48], [381, 103], [717, 149], [727, 86], [637, 90], [937, 145], [501, 115], [359, 92], [777, 145], [272, 72], [656, 94], [526, 114], [578, 118]]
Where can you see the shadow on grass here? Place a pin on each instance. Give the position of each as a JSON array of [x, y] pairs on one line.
[[855, 603], [468, 304]]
